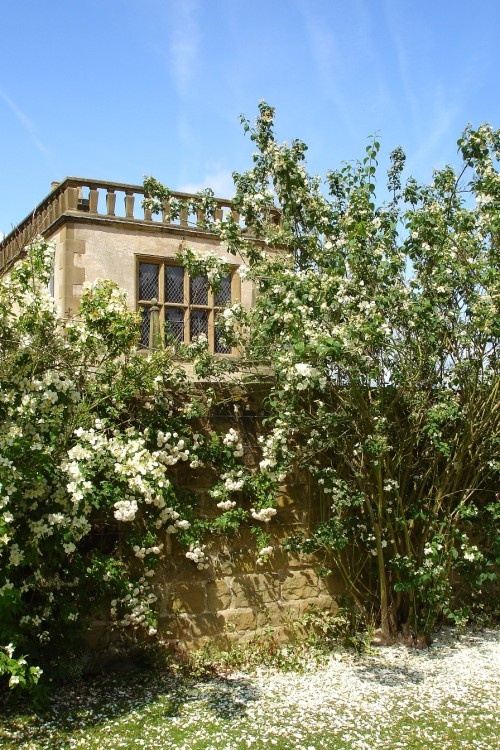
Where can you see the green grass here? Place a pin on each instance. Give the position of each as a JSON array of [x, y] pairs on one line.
[[375, 707]]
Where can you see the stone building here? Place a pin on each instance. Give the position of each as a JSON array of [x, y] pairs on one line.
[[100, 230]]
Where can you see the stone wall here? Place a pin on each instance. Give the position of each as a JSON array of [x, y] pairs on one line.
[[236, 599]]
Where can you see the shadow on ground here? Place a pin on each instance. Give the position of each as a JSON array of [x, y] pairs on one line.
[[102, 699]]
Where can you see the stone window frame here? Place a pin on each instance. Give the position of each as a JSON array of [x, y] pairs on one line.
[[187, 306]]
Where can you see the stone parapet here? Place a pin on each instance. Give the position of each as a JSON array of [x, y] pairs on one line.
[[115, 204]]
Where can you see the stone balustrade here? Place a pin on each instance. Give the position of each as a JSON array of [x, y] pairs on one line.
[[104, 200]]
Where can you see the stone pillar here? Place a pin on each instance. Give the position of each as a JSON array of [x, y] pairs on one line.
[[129, 204], [155, 339], [70, 200], [110, 202], [93, 200], [165, 213]]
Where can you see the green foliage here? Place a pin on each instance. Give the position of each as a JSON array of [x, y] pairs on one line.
[[380, 324], [264, 649], [376, 335], [17, 669], [346, 627], [92, 437]]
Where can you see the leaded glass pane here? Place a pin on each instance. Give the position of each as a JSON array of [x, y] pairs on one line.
[[149, 274], [174, 324], [145, 311], [198, 323], [223, 293], [174, 284], [198, 291], [220, 347]]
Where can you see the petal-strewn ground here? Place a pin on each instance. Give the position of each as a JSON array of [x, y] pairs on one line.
[[446, 697]]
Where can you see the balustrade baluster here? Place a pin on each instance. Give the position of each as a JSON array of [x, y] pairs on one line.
[[165, 213], [70, 199], [110, 202], [93, 200], [183, 216], [129, 204]]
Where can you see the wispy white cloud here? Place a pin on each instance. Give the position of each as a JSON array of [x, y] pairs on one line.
[[431, 100], [404, 68], [326, 54], [25, 122], [440, 129], [183, 59], [184, 45], [219, 179]]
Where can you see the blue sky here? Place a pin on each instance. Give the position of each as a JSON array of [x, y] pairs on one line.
[[117, 89]]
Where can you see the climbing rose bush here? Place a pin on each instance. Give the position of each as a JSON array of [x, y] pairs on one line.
[[92, 432]]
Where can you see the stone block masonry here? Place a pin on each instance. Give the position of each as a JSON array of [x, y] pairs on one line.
[[236, 599]]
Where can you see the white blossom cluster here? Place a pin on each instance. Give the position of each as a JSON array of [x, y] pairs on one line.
[[116, 298], [39, 395], [258, 202], [233, 441], [274, 447], [234, 480], [125, 510], [198, 555], [263, 514], [303, 375], [132, 610], [206, 263], [174, 449], [143, 471], [243, 271], [226, 505], [231, 317], [266, 551], [171, 520], [264, 554], [36, 298], [195, 461]]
